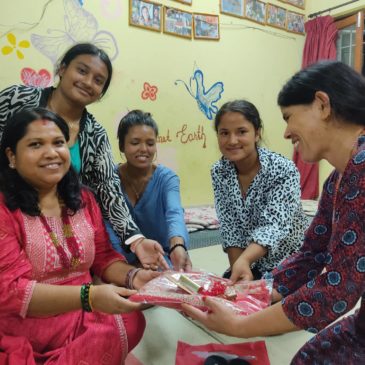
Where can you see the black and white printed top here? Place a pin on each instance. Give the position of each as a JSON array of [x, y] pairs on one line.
[[97, 165], [270, 214]]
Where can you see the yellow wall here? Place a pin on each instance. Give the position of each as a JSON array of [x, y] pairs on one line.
[[252, 61]]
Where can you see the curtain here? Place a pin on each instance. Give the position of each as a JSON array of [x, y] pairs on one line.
[[320, 44]]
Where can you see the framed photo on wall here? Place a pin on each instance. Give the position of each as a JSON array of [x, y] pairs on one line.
[[255, 10], [298, 3], [232, 7], [294, 22], [178, 22], [145, 14], [187, 2], [275, 16], [206, 26]]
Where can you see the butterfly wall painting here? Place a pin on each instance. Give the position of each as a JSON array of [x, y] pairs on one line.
[[80, 26], [206, 100]]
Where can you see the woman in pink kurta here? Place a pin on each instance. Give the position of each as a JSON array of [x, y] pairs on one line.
[[42, 320]]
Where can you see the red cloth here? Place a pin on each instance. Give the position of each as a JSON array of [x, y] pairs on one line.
[[320, 44], [255, 352], [27, 257]]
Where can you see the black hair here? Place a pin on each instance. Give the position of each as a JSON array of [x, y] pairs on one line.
[[343, 85], [87, 49], [245, 108], [17, 192], [133, 118]]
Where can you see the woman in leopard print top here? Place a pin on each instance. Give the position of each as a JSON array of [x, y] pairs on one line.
[[257, 195]]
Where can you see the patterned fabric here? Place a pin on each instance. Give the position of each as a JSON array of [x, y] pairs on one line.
[[27, 257], [270, 214], [326, 278], [201, 218], [97, 169]]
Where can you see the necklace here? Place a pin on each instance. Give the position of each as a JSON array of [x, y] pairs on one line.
[[70, 240], [137, 192]]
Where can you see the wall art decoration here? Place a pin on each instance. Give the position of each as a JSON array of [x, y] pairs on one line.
[[206, 99], [178, 22], [232, 7], [275, 16], [206, 26], [295, 22], [145, 14], [31, 77], [15, 46], [79, 26], [149, 91], [255, 10]]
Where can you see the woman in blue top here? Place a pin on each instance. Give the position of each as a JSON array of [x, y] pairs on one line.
[[152, 192]]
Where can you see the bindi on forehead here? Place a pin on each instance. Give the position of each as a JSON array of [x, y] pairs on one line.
[[45, 121], [43, 124]]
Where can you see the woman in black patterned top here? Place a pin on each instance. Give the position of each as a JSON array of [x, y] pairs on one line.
[[257, 196], [85, 73]]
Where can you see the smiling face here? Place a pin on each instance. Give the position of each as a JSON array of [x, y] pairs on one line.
[[42, 157], [140, 146], [237, 137], [83, 80], [306, 127]]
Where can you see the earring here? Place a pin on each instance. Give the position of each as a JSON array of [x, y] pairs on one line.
[[155, 158], [11, 165]]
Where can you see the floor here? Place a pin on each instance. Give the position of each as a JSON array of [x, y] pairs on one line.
[[165, 327]]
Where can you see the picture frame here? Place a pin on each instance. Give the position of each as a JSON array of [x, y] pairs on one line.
[[275, 16], [178, 22], [206, 26], [186, 2], [295, 22], [232, 7], [298, 3], [145, 14], [255, 10]]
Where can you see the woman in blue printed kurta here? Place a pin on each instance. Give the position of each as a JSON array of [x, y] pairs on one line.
[[324, 107]]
